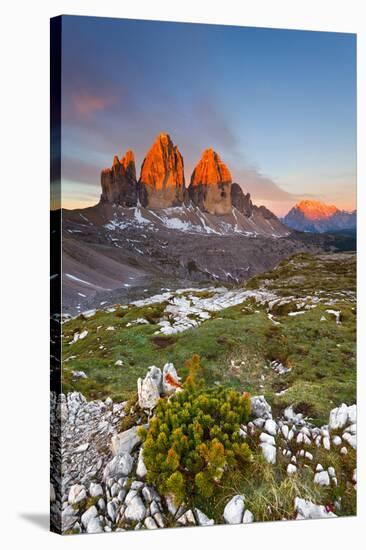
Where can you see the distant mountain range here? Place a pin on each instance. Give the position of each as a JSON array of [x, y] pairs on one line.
[[316, 217]]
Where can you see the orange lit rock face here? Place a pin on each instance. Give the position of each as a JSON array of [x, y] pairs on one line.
[[210, 187], [314, 210], [119, 185], [162, 175], [210, 170]]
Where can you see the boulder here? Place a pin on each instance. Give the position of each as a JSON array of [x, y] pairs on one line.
[[141, 470], [119, 466], [260, 408], [269, 452], [125, 442], [322, 478], [338, 417], [149, 389], [308, 510], [171, 380], [90, 513], [202, 519], [135, 510], [248, 517], [234, 510], [77, 493]]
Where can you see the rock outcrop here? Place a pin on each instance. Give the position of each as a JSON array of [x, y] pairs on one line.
[[119, 184], [210, 187], [240, 201], [162, 183]]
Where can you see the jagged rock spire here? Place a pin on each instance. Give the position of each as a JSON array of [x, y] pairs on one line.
[[162, 181]]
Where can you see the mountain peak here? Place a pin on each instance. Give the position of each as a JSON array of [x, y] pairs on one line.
[[162, 174], [315, 210], [315, 216], [210, 170]]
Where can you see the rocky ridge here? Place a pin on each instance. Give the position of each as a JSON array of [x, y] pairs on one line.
[[104, 486], [162, 183]]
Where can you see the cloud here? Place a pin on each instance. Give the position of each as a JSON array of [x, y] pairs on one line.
[[85, 104]]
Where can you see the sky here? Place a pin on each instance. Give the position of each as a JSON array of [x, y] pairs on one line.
[[278, 106]]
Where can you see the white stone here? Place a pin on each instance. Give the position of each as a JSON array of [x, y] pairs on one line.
[[170, 372], [135, 510], [285, 430], [322, 478], [141, 470], [148, 392], [95, 490], [265, 438], [77, 493], [319, 468], [269, 453], [125, 442], [336, 440], [344, 451], [150, 523], [202, 519], [94, 526], [352, 414], [234, 510], [90, 513], [118, 466], [119, 363], [308, 510], [248, 517], [331, 471], [309, 456], [270, 426], [354, 476], [291, 469], [326, 443], [350, 439], [260, 408], [338, 417]]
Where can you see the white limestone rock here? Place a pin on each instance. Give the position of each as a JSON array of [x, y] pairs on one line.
[[77, 493], [125, 442], [322, 478], [248, 517], [260, 408], [119, 466], [234, 510], [95, 490], [202, 519], [338, 417], [308, 510], [270, 426], [141, 470], [135, 510], [269, 452]]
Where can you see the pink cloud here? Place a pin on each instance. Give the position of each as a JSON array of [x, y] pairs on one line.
[[86, 104]]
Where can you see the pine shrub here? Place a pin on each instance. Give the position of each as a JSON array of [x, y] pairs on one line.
[[193, 438]]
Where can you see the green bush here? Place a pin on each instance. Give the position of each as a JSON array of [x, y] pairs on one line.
[[193, 438]]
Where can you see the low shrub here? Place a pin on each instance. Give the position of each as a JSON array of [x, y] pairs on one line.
[[193, 438]]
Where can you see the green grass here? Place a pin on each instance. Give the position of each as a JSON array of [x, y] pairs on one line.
[[321, 354]]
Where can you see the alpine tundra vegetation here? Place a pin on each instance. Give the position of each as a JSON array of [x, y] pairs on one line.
[[221, 405]]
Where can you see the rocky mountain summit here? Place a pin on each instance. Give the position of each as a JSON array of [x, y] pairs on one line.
[[162, 184], [104, 485], [317, 217], [210, 187]]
